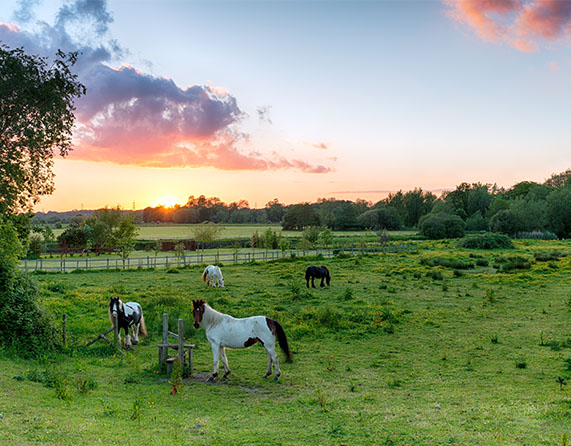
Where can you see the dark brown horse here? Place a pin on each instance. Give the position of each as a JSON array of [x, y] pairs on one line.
[[317, 272]]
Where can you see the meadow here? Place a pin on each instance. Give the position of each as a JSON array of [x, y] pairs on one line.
[[436, 346], [171, 231]]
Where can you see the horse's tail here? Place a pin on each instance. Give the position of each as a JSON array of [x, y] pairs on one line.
[[327, 276], [307, 273], [142, 326], [280, 333], [204, 274]]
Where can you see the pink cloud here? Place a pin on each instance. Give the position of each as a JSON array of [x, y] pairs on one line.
[[523, 25], [130, 117]]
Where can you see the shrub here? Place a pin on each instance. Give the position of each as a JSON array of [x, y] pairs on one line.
[[24, 325], [447, 263], [510, 263], [486, 241], [548, 257], [441, 225]]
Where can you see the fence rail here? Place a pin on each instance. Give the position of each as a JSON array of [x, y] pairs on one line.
[[94, 263]]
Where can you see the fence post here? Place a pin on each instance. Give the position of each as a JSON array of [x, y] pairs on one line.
[[181, 341], [164, 351]]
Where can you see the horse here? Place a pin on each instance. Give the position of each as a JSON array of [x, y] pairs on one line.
[[317, 272], [129, 316], [212, 275], [224, 331]]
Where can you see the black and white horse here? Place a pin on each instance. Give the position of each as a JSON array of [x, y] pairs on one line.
[[224, 331], [129, 317], [317, 272]]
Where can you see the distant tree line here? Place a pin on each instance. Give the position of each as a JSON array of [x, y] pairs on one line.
[[540, 210]]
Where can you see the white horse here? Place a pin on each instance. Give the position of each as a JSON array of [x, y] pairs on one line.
[[129, 317], [212, 275], [223, 330]]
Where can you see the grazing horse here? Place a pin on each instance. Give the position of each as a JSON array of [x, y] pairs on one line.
[[129, 316], [223, 330], [317, 272], [212, 275]]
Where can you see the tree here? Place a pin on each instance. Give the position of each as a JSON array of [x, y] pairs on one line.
[[299, 216], [441, 225], [559, 211], [36, 118], [206, 232]]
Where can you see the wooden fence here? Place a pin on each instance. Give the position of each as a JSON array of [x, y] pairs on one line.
[[197, 258]]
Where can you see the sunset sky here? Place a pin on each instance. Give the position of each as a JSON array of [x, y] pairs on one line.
[[300, 100]]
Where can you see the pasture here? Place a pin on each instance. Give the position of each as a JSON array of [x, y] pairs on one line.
[[430, 347], [171, 231]]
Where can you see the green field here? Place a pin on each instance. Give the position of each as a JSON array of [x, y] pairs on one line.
[[398, 351], [164, 231]]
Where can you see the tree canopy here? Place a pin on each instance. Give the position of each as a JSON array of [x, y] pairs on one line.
[[36, 119]]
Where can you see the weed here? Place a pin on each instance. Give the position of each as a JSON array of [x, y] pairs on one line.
[[331, 363], [62, 389], [490, 296], [321, 399], [137, 405], [109, 408], [85, 384], [348, 294], [494, 339], [393, 383], [521, 363], [561, 381], [176, 377]]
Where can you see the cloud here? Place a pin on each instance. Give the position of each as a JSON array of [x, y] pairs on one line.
[[525, 25], [264, 114], [320, 145], [130, 117]]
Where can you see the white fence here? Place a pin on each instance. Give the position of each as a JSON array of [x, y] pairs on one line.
[[95, 263]]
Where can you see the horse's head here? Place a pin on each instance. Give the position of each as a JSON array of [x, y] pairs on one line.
[[198, 307], [115, 306]]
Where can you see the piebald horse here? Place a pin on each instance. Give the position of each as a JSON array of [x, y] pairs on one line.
[[224, 331], [129, 317], [212, 275]]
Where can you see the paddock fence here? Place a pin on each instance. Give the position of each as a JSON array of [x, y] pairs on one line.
[[197, 258]]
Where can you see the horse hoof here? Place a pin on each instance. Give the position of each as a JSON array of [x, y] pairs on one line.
[[275, 378], [266, 375], [226, 374]]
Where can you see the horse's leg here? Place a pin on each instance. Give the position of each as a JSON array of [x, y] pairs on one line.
[[307, 280], [269, 371], [215, 354], [225, 362], [127, 339], [136, 333], [274, 357], [322, 284], [312, 282]]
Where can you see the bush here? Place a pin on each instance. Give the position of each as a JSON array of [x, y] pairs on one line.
[[441, 225], [25, 327], [510, 263], [486, 241]]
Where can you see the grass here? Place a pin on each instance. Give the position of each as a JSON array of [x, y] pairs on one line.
[[386, 355], [169, 231]]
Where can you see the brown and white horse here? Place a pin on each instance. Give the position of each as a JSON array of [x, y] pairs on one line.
[[224, 331]]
